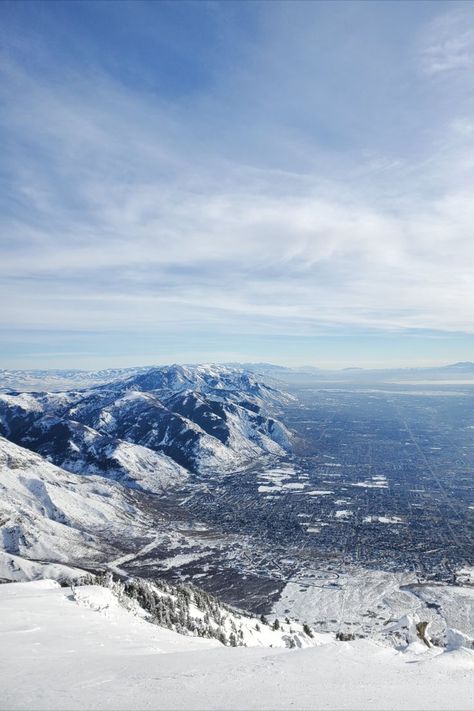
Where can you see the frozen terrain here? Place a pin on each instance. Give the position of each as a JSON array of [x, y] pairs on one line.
[[79, 649], [368, 602], [48, 514]]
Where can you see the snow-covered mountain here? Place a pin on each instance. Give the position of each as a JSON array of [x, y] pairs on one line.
[[56, 380], [192, 417], [54, 521]]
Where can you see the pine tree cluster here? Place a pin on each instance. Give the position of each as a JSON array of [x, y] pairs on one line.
[[187, 610], [181, 608]]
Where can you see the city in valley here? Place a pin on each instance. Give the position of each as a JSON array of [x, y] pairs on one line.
[[379, 480]]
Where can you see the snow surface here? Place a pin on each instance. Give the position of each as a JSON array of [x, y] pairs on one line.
[[366, 601], [16, 569], [382, 519], [25, 402], [79, 649]]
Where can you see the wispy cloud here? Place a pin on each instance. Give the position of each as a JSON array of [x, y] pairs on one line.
[[132, 210], [447, 43]]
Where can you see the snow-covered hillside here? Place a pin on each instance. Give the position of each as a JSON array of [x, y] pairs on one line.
[[192, 417], [80, 649], [49, 514]]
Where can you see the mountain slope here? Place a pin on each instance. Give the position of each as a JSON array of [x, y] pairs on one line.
[[49, 514], [199, 417]]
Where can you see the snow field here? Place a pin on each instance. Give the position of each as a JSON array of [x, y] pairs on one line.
[[81, 650]]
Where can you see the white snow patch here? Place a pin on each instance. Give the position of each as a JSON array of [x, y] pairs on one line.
[[383, 519], [343, 513]]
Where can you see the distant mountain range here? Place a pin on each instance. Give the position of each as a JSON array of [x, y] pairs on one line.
[[278, 374], [60, 380]]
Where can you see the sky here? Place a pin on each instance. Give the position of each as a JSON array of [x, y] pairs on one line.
[[236, 181]]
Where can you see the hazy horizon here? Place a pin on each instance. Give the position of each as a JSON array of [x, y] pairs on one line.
[[243, 363]]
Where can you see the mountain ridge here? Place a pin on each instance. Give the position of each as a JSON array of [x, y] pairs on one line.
[[192, 417]]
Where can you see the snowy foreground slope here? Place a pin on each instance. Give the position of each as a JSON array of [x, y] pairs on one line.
[[64, 649]]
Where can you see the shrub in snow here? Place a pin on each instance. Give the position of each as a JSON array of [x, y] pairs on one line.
[[344, 636]]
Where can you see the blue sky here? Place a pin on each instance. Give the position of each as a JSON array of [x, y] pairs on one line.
[[202, 181]]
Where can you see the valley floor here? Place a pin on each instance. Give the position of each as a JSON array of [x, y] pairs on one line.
[[66, 650]]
